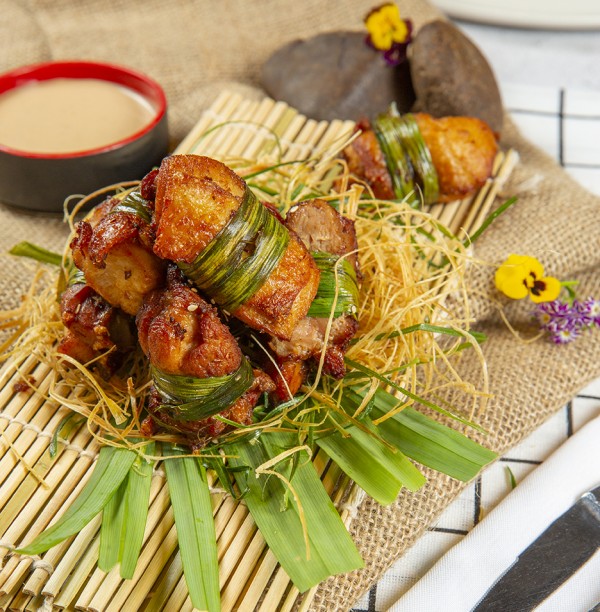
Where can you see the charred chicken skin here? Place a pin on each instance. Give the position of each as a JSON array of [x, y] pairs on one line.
[[201, 196], [182, 334], [462, 149], [321, 228], [366, 162], [93, 326], [114, 251]]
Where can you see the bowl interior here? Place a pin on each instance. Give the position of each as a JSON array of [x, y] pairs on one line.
[[137, 82]]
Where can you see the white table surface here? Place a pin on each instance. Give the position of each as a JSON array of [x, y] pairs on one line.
[[550, 83]]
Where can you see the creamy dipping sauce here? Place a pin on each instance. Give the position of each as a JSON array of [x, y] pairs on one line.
[[65, 115]]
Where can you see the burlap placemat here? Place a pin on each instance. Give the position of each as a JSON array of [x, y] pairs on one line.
[[196, 48]]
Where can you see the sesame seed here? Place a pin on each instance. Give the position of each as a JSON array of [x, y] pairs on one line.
[[192, 307]]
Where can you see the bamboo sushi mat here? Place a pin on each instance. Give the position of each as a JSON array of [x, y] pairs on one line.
[[36, 489]]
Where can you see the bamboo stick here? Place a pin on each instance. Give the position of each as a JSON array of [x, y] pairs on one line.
[[230, 137], [29, 463], [187, 606], [178, 596], [19, 603], [157, 555], [54, 471], [172, 590], [49, 514], [204, 122], [265, 136], [7, 600], [74, 583], [36, 604], [12, 367], [23, 424], [227, 135], [71, 556], [279, 585], [256, 586], [92, 584], [175, 570], [248, 565], [167, 584], [211, 140], [54, 478], [282, 129], [7, 572]]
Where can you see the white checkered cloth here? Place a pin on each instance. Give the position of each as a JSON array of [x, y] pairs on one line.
[[566, 124]]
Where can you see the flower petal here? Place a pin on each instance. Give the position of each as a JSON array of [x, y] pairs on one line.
[[386, 27], [535, 267], [510, 277], [550, 291]]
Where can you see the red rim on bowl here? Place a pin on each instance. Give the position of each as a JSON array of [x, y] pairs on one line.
[[149, 89]]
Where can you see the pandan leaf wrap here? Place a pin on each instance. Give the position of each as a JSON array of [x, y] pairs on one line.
[[239, 259], [187, 398], [347, 287], [407, 157], [134, 203]]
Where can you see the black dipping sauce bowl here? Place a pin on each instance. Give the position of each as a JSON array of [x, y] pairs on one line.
[[42, 181]]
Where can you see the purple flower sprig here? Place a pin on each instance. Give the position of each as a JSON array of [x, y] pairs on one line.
[[566, 321]]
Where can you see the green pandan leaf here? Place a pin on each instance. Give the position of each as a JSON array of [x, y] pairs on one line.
[[110, 471], [192, 507], [308, 537]]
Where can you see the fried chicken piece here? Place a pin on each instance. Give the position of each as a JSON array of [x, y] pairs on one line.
[[199, 433], [463, 150], [183, 335], [321, 228], [202, 195], [93, 327], [288, 376], [366, 161], [114, 251]]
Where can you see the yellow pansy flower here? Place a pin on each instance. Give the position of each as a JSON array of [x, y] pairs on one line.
[[521, 276], [386, 28]]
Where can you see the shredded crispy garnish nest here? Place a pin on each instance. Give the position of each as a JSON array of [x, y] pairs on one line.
[[407, 333]]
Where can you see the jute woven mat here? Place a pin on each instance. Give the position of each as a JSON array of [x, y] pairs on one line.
[[196, 49]]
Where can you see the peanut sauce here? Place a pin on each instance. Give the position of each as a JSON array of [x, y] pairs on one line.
[[66, 115]]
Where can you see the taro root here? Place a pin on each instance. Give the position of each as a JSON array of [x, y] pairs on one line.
[[451, 77]]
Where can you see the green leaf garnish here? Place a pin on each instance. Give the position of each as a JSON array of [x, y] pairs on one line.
[[27, 249], [124, 518], [421, 400], [425, 440], [187, 398], [190, 498], [308, 538], [238, 260], [337, 283], [111, 469], [53, 447], [379, 471]]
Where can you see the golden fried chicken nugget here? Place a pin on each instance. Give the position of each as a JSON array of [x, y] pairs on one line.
[[463, 150]]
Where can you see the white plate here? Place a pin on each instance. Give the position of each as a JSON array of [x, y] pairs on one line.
[[553, 14]]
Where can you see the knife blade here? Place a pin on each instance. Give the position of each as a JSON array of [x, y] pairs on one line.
[[548, 561]]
